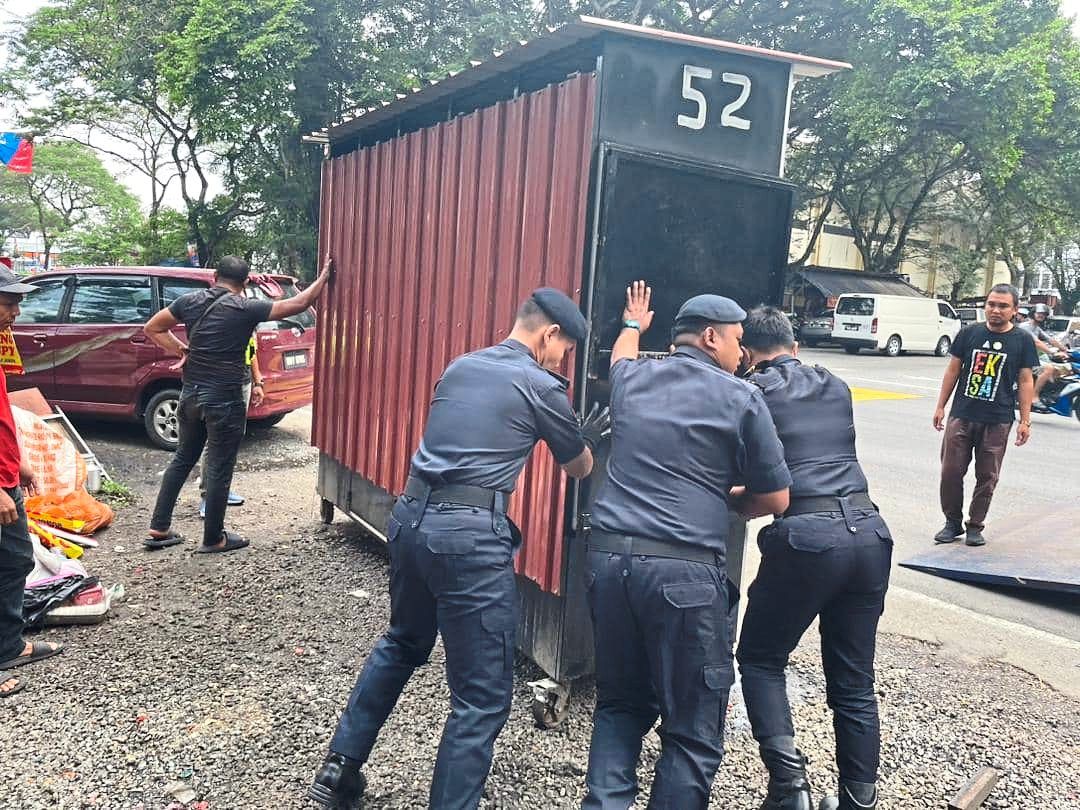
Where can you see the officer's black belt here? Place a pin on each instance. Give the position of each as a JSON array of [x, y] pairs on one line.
[[829, 503], [647, 547], [461, 494]]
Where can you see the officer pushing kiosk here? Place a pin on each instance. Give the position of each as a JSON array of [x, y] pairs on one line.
[[827, 556], [685, 430], [452, 548]]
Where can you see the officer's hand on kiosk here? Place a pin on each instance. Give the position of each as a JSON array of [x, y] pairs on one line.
[[637, 311], [596, 426]]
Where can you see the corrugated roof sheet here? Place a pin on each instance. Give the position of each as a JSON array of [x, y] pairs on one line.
[[578, 35], [832, 283]]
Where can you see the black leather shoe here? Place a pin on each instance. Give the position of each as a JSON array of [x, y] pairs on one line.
[[853, 796], [339, 784], [789, 788], [949, 532], [975, 538]]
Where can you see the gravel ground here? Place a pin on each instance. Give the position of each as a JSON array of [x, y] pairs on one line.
[[222, 676]]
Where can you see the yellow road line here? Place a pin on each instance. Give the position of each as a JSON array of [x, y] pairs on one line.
[[869, 394]]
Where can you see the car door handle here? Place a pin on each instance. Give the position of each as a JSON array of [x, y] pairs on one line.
[[138, 337], [40, 338]]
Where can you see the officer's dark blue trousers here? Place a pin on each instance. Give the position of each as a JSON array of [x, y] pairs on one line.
[[814, 565], [451, 572], [663, 631]]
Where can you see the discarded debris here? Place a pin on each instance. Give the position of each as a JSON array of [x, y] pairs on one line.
[[974, 793], [180, 791]]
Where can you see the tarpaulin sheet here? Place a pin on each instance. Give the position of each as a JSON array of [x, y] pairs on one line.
[[1027, 552]]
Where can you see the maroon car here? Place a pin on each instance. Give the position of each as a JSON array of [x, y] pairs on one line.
[[81, 341]]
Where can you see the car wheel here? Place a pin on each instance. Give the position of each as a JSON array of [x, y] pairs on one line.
[[943, 346], [851, 349], [162, 419], [893, 346], [267, 422]]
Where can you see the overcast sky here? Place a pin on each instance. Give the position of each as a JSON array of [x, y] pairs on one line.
[[12, 11]]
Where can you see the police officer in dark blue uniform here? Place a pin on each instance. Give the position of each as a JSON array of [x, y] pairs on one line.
[[684, 431], [451, 550], [828, 556]]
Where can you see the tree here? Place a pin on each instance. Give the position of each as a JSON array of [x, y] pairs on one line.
[[1064, 267], [70, 189], [941, 90], [116, 240], [123, 132], [209, 76], [16, 215]]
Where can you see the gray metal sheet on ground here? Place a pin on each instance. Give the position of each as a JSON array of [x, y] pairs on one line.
[[1041, 553]]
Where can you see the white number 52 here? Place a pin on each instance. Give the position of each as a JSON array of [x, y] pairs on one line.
[[727, 114]]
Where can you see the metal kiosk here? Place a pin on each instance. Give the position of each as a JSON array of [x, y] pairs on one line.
[[593, 155]]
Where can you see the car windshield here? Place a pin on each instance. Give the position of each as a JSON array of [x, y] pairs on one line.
[[855, 305], [305, 319], [1057, 324]]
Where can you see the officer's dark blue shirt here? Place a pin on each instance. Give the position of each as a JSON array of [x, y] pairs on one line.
[[812, 412], [684, 431], [489, 410]]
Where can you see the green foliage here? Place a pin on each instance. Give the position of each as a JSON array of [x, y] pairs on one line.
[[942, 89], [164, 239], [71, 192], [16, 214], [984, 93], [116, 493]]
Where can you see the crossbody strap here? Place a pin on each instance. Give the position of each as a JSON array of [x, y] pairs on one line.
[[221, 293]]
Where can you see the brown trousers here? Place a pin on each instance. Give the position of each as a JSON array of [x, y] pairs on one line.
[[963, 439]]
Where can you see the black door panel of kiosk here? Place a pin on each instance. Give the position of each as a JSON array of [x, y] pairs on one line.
[[686, 230]]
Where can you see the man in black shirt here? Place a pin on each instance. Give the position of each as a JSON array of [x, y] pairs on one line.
[[989, 361], [212, 410], [827, 556]]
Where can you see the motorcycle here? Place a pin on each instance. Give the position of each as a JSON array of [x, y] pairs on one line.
[[1062, 397]]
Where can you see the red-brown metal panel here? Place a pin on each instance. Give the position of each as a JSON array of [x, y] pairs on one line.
[[440, 233], [325, 195], [353, 292]]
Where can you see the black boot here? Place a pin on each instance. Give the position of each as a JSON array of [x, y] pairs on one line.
[[339, 784], [853, 796], [952, 530], [788, 786]]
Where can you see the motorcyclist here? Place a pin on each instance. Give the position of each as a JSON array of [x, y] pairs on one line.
[[1053, 354]]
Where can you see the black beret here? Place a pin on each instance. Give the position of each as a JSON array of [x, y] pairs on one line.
[[708, 309], [562, 310]]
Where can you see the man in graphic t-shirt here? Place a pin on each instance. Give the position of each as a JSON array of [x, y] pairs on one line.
[[990, 366]]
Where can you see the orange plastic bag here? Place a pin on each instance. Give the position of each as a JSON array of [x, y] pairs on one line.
[[62, 499]]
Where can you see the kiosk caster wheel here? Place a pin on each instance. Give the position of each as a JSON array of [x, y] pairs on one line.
[[326, 511], [550, 703]]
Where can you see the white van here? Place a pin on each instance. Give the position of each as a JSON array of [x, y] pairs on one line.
[[894, 323]]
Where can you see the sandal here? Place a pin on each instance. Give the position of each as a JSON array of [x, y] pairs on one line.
[[232, 543], [11, 676], [39, 651], [153, 543]]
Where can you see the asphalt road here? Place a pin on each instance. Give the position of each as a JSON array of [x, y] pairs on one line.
[[899, 451]]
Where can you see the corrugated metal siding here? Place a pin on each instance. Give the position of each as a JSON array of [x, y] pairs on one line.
[[437, 235]]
